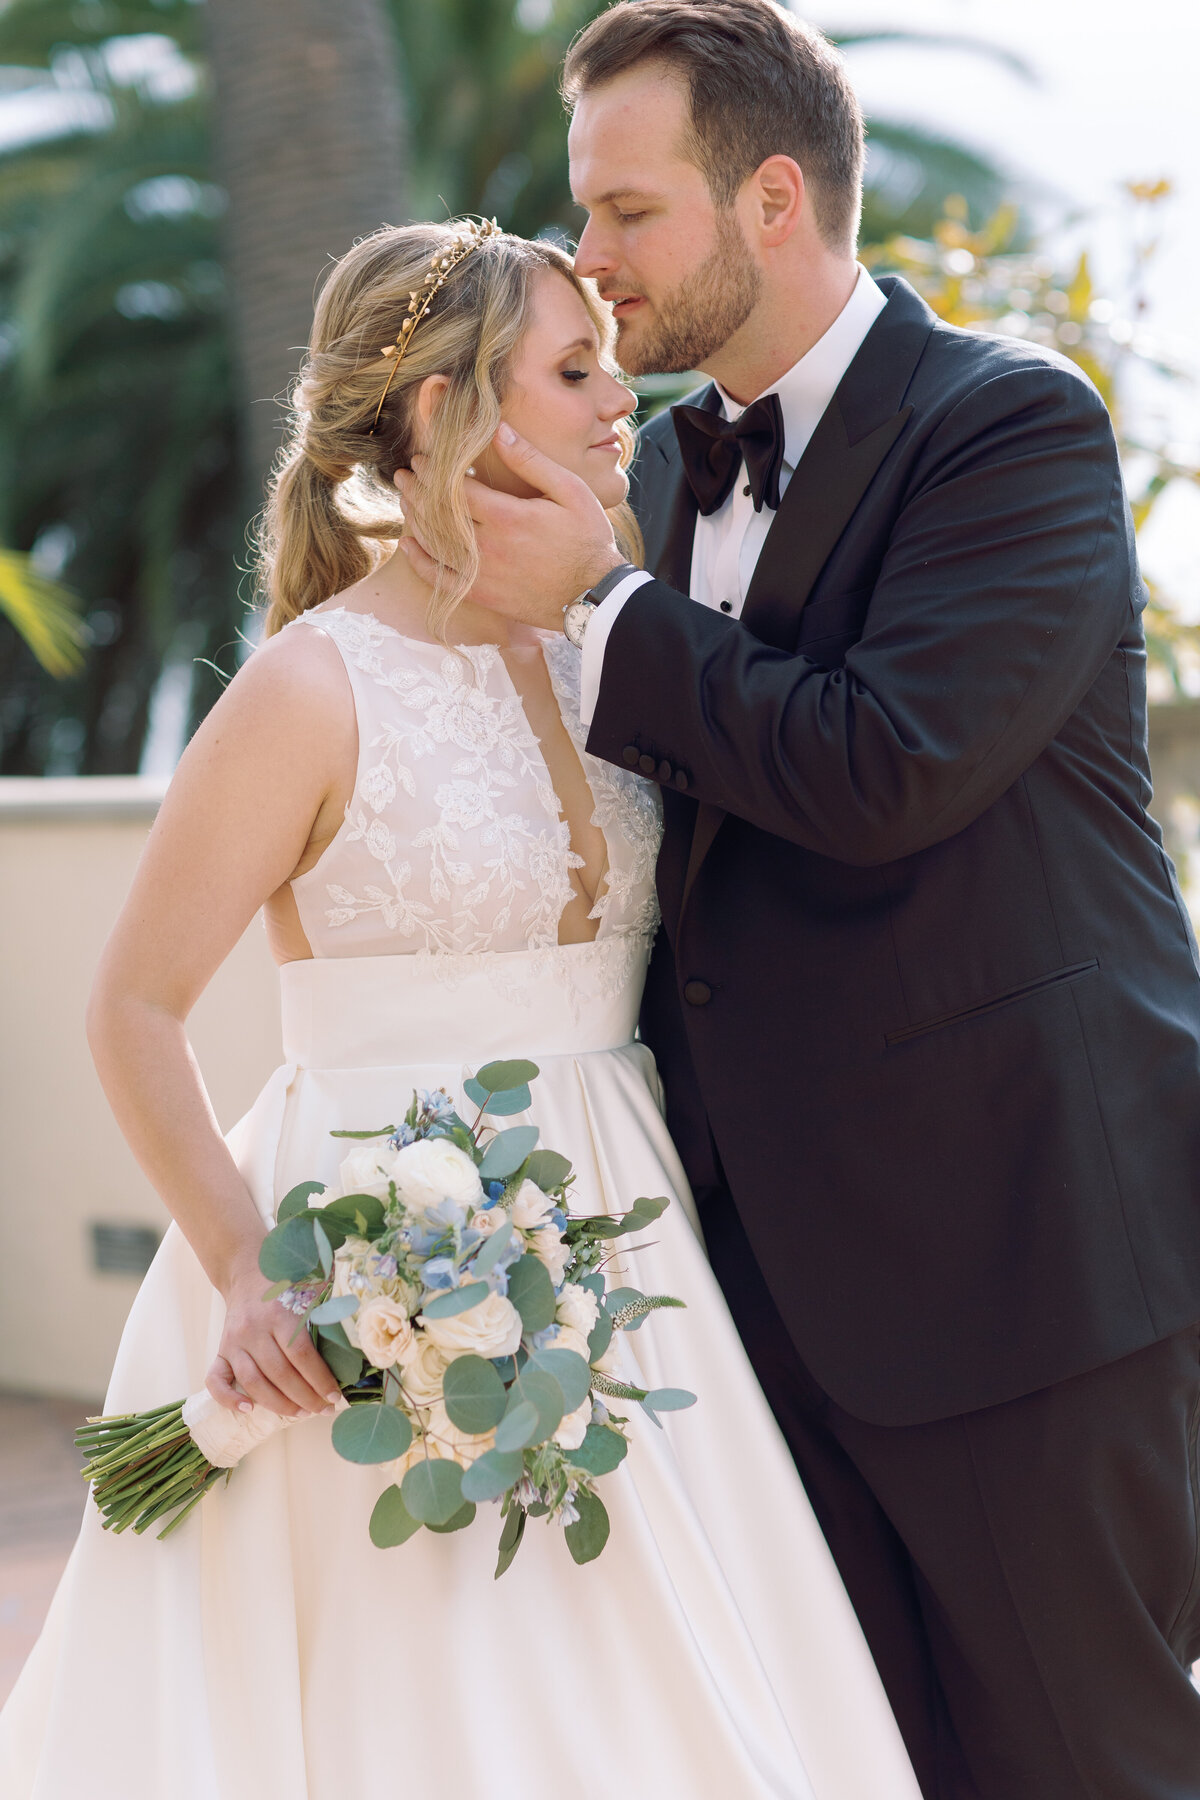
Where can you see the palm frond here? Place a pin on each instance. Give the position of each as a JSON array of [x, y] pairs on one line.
[[43, 613]]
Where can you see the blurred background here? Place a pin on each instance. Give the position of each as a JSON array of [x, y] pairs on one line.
[[174, 177]]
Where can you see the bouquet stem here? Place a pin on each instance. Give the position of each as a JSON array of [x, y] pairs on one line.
[[143, 1466]]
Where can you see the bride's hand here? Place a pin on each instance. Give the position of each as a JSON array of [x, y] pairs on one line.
[[535, 556], [266, 1355]]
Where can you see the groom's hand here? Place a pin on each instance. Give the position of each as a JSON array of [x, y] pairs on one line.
[[535, 556]]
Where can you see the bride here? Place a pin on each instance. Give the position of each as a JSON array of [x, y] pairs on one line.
[[446, 876]]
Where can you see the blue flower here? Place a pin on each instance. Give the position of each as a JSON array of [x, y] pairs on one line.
[[436, 1101], [542, 1340], [440, 1272], [449, 1214], [558, 1219], [402, 1137], [494, 1189]]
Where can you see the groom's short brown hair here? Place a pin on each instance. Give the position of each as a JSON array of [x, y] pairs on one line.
[[760, 83]]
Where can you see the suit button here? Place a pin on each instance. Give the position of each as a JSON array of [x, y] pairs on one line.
[[697, 993], [664, 771], [646, 764], [681, 779], [629, 756]]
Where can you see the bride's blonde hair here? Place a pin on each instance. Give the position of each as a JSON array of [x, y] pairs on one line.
[[332, 509]]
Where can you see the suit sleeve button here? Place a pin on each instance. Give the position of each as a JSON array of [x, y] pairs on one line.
[[629, 756], [697, 993], [665, 771], [681, 779], [646, 764]]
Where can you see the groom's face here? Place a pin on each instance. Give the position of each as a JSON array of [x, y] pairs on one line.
[[678, 271]]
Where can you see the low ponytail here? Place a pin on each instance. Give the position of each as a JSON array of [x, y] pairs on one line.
[[308, 548]]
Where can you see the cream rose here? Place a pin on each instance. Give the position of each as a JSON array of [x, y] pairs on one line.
[[578, 1308], [364, 1171], [547, 1243], [493, 1328], [422, 1368], [433, 1170], [613, 1361], [487, 1219], [384, 1331], [570, 1433], [445, 1438], [531, 1207], [348, 1261], [567, 1339]]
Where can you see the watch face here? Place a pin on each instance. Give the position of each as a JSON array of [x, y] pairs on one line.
[[575, 619]]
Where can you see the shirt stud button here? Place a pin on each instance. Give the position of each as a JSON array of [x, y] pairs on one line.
[[646, 765], [697, 993], [665, 771], [727, 606], [629, 756], [746, 490]]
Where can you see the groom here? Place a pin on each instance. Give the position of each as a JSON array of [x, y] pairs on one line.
[[926, 1000]]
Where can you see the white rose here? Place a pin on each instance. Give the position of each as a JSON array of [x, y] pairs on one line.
[[445, 1438], [566, 1339], [433, 1170], [531, 1207], [548, 1244], [578, 1308], [422, 1368], [570, 1433], [384, 1331], [364, 1171], [613, 1361], [493, 1328], [488, 1219]]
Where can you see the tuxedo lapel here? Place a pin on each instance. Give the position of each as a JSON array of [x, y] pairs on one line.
[[856, 432]]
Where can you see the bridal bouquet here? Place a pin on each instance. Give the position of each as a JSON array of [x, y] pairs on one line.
[[466, 1315]]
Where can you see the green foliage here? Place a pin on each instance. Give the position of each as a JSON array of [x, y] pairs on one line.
[[532, 1293], [432, 1491], [391, 1521], [44, 614], [587, 1537], [372, 1433], [474, 1395], [507, 1151], [457, 1300]]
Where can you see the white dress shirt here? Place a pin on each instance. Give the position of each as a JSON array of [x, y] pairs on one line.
[[726, 545]]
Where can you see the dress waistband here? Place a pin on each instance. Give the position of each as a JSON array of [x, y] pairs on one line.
[[354, 1012]]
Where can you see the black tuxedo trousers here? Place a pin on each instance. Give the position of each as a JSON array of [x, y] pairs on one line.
[[927, 1009]]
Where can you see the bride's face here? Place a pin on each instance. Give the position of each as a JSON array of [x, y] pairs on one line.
[[561, 398]]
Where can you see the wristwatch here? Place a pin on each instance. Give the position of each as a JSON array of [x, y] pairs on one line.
[[577, 612]]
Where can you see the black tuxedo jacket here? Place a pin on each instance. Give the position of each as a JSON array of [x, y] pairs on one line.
[[925, 974]]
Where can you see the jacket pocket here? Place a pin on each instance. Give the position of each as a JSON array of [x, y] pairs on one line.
[[1059, 978]]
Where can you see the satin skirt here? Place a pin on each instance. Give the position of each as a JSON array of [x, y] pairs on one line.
[[267, 1651]]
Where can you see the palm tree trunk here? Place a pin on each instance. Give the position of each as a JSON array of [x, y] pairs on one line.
[[310, 146]]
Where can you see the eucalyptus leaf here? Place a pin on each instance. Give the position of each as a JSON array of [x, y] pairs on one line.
[[548, 1169], [669, 1399], [371, 1434], [600, 1336], [594, 1283], [456, 1300], [289, 1252], [492, 1474], [507, 1151], [589, 1534], [360, 1213], [384, 1131], [616, 1298], [345, 1362], [645, 1211], [601, 1451], [391, 1521], [296, 1200], [474, 1395], [569, 1370], [542, 1390], [324, 1247], [518, 1427], [510, 1539], [493, 1249], [498, 1077], [432, 1490], [601, 1226], [499, 1106], [463, 1517], [532, 1293], [330, 1311]]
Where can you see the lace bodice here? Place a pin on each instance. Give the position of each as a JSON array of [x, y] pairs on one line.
[[453, 843]]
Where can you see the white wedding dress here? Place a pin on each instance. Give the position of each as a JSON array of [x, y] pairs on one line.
[[267, 1651]]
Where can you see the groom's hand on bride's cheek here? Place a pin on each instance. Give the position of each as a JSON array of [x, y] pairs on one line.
[[535, 555]]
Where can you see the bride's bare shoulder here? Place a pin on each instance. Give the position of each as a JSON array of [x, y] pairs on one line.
[[296, 676]]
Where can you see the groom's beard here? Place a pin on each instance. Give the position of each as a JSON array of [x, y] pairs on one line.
[[703, 312]]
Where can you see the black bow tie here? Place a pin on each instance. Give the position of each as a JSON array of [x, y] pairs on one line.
[[713, 449]]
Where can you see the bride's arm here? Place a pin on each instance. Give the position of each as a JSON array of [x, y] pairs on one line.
[[268, 762]]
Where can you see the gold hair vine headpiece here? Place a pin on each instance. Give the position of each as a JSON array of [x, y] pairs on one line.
[[442, 266]]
